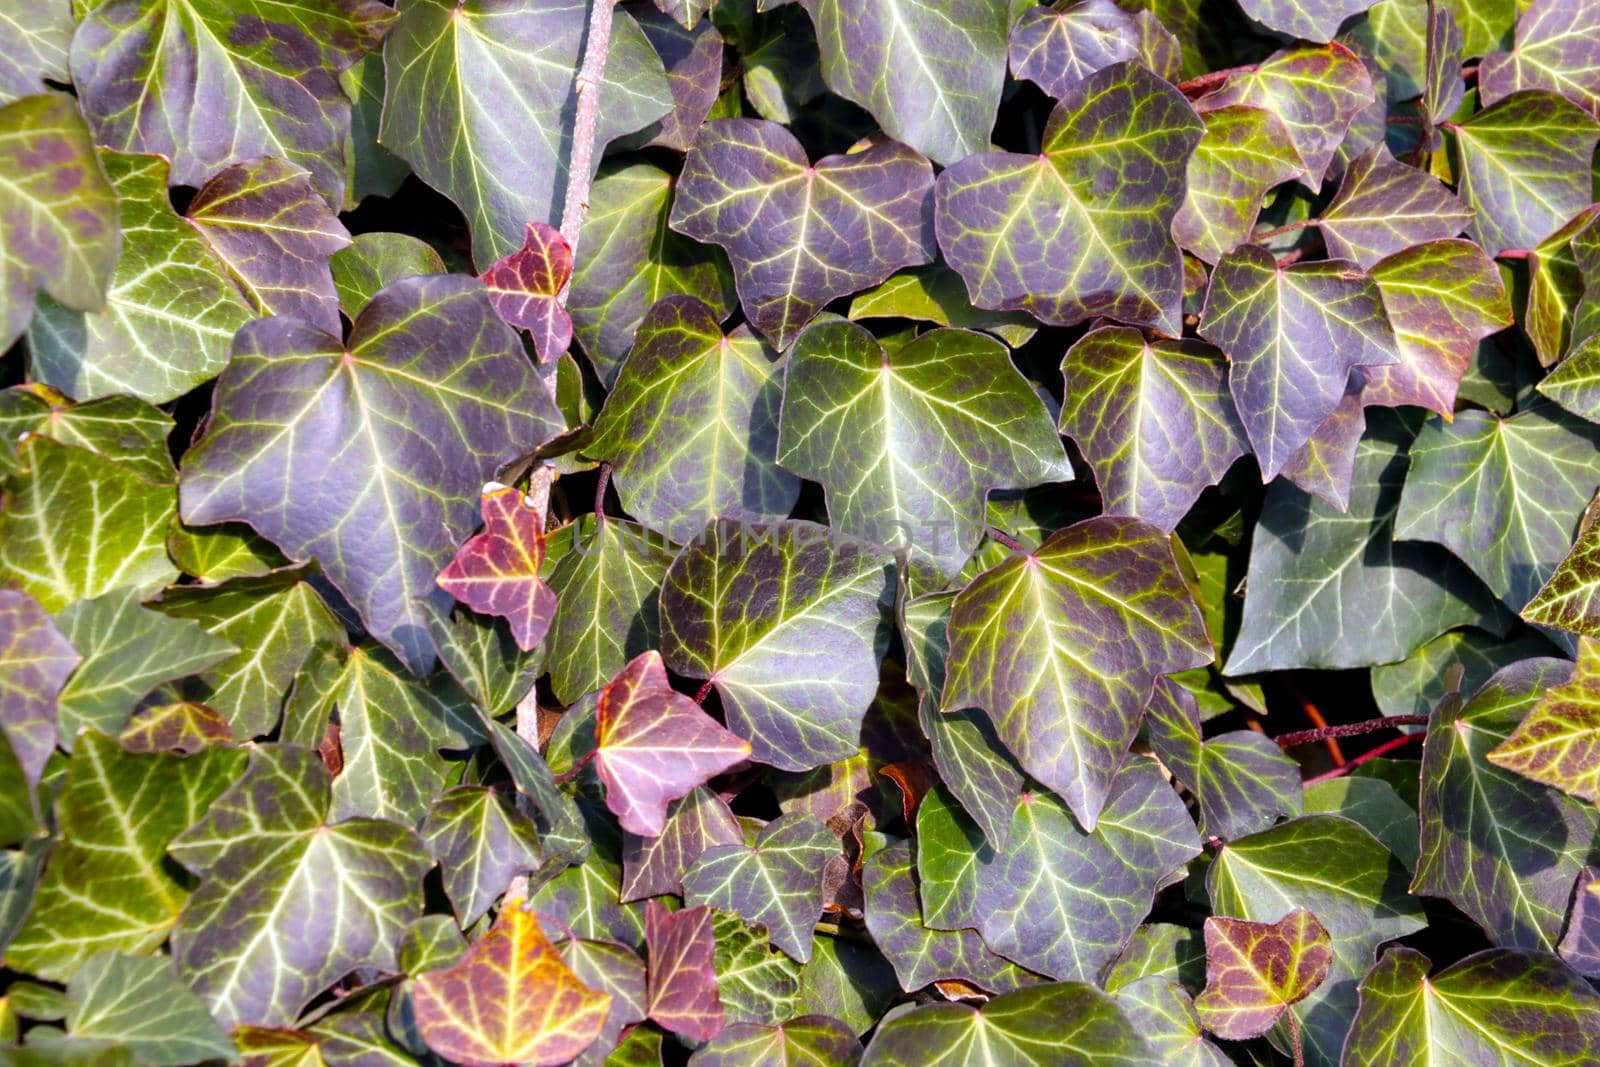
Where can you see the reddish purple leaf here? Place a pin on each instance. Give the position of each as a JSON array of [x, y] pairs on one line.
[[524, 287], [35, 661], [496, 572], [681, 989], [655, 745], [1255, 971], [652, 866]]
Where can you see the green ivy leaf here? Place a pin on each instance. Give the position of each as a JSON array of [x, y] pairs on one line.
[[372, 261], [117, 427], [776, 881], [137, 1003], [757, 983], [1163, 1014], [481, 843], [1570, 598], [1558, 743], [1245, 152]]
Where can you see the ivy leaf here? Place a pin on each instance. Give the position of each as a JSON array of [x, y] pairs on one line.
[[1342, 875], [1163, 1014], [1503, 494], [60, 213], [776, 881], [1556, 309], [1292, 336], [654, 745], [1111, 252], [802, 234], [107, 885], [1066, 1022], [1241, 780], [757, 983], [266, 222], [289, 903], [137, 1003], [1325, 464], [480, 99], [1580, 945], [1554, 50], [1153, 418], [936, 294], [36, 40], [1523, 166], [214, 554], [629, 259], [1570, 598], [127, 651], [1384, 206], [1442, 299], [1245, 152], [692, 55], [481, 843], [1500, 847], [1414, 685], [153, 80], [525, 288], [682, 986], [510, 999], [608, 968], [183, 727], [908, 441], [1255, 971], [1043, 643], [1315, 92], [1295, 615], [1311, 20], [1558, 743], [1058, 47], [1374, 805], [1495, 1006], [372, 261], [1062, 901], [931, 75], [35, 662], [1162, 951], [586, 898], [692, 423], [652, 866], [496, 571], [117, 427], [813, 1038], [795, 671], [440, 406]]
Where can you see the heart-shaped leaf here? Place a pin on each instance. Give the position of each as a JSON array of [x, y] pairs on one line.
[[1058, 47], [35, 662], [1110, 250], [777, 881], [525, 287], [1558, 743], [909, 441], [799, 233], [682, 991], [510, 999], [1255, 971], [1245, 152], [137, 1003], [1041, 642], [691, 425], [1384, 206], [654, 745], [1555, 50], [496, 571], [441, 406], [813, 1038], [481, 843]]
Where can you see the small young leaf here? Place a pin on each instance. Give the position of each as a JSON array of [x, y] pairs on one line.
[[776, 881], [682, 990], [1558, 743], [1255, 971], [525, 287], [496, 571]]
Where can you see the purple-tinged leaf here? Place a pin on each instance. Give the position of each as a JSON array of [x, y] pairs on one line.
[[525, 287], [1492, 1007], [1058, 47], [35, 662], [919, 953], [691, 425], [1523, 166], [35, 41], [1159, 48], [1162, 1013], [1557, 49], [608, 968], [1153, 418], [1442, 299], [1443, 50], [930, 73], [802, 234], [1292, 335], [482, 843], [59, 215], [776, 881], [692, 55], [1245, 152], [1580, 945], [326, 449], [1326, 463], [791, 638], [654, 866], [1384, 207], [1315, 92], [288, 903], [654, 745], [584, 898], [808, 1039], [686, 12], [211, 85], [1062, 646], [908, 441], [1256, 971], [1561, 299], [1241, 781], [184, 728], [1311, 20], [265, 221], [496, 571], [682, 990], [481, 99], [1057, 234], [1570, 598], [1558, 743], [1499, 846]]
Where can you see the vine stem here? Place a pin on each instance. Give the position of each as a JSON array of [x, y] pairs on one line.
[[1348, 729], [1294, 1040], [704, 691], [1206, 82], [1005, 539], [1288, 227], [600, 494], [576, 768], [1371, 754]]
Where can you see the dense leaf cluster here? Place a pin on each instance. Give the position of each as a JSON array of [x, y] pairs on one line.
[[990, 533]]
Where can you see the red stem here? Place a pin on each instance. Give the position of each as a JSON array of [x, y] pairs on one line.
[[572, 772], [705, 691], [600, 494], [1206, 82], [1005, 539], [1371, 754], [1348, 729]]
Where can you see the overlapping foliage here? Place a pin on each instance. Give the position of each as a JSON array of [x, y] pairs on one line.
[[831, 532]]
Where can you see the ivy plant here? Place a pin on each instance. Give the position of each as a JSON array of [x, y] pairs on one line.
[[757, 532]]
